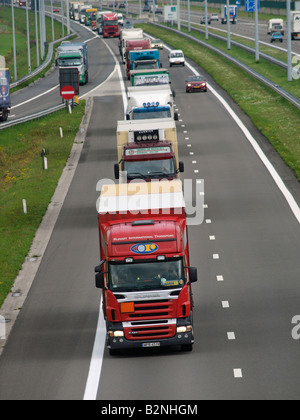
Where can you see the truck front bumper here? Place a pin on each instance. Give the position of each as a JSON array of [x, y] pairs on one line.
[[185, 338]]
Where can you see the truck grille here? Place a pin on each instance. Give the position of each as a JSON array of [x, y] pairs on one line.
[[153, 309], [150, 331], [150, 320]]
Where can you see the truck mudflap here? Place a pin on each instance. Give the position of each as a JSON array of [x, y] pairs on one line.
[[153, 334]]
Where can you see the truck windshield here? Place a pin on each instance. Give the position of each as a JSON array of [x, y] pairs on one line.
[[162, 168], [110, 22], [146, 276], [151, 113], [147, 64], [70, 62]]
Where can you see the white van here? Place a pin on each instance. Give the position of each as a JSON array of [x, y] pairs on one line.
[[176, 57]]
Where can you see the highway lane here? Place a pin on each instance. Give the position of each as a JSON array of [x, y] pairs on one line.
[[44, 93], [244, 27], [248, 260], [250, 241], [48, 353]]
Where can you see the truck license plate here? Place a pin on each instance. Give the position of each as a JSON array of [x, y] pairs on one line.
[[157, 344]]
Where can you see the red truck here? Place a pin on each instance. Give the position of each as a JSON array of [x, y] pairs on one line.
[[110, 25], [135, 45], [145, 272]]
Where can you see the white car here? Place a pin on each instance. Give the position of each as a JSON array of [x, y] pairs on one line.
[[176, 58]]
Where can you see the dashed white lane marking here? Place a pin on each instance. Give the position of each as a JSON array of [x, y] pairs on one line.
[[237, 373], [231, 336], [220, 278], [225, 304], [212, 238], [216, 256]]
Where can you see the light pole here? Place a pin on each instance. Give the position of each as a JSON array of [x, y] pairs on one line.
[[289, 41], [14, 40]]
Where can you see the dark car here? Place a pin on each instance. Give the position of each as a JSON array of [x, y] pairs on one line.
[[203, 20], [196, 83], [122, 6]]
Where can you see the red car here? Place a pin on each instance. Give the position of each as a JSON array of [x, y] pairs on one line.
[[195, 83]]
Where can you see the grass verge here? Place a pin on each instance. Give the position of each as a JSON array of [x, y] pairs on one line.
[[276, 118], [22, 177]]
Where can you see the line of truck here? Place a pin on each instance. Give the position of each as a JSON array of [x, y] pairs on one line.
[[72, 54], [105, 22], [144, 271]]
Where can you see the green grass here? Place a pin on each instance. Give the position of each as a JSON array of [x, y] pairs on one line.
[[22, 177], [276, 118], [6, 44]]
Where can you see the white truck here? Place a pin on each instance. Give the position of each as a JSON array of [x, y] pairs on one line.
[[132, 33], [150, 102], [295, 25], [232, 14], [74, 10], [275, 25], [147, 149], [81, 10]]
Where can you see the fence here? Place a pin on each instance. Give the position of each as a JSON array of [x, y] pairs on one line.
[[266, 6]]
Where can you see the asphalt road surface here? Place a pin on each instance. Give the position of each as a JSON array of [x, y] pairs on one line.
[[246, 251]]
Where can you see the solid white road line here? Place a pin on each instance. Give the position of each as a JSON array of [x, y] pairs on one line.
[[280, 184], [93, 379]]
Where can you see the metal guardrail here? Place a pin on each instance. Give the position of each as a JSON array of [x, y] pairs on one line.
[[244, 47], [43, 65], [32, 117], [288, 96]]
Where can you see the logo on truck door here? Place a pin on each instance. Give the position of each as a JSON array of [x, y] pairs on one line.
[[144, 248]]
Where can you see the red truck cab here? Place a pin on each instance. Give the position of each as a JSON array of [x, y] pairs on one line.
[[147, 153], [149, 160], [145, 272], [110, 25]]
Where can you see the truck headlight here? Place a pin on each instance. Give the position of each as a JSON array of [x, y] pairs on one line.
[[184, 329], [117, 333]]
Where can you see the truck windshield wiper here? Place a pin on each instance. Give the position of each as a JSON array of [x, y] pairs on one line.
[[133, 175], [159, 173]]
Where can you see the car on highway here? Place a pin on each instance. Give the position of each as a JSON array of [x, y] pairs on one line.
[[157, 44], [203, 20], [214, 16], [196, 84], [276, 36], [176, 58]]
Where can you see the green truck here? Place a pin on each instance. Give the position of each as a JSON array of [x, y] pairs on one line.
[[74, 55]]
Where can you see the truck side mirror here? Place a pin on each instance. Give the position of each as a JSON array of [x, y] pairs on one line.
[[127, 117], [117, 171], [181, 167], [193, 274], [99, 280], [176, 116]]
